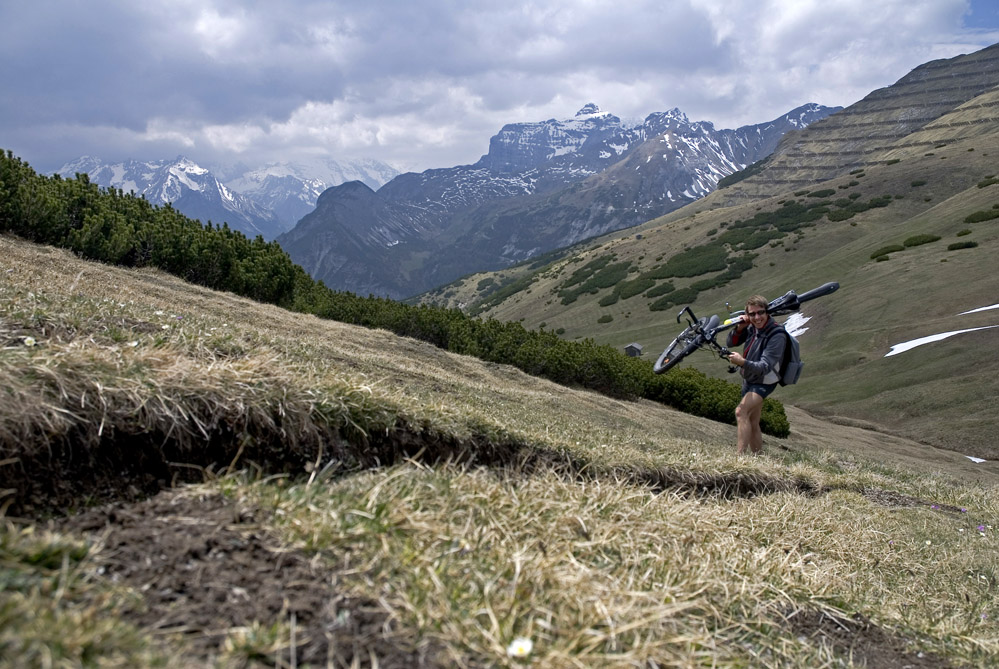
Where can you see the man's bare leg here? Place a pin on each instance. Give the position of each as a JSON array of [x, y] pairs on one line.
[[747, 423], [757, 443]]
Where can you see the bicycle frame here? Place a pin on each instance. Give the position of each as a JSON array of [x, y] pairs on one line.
[[709, 333]]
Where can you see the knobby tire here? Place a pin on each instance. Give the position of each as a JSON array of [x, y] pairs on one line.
[[675, 352]]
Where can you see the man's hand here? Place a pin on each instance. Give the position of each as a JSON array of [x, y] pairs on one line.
[[736, 359]]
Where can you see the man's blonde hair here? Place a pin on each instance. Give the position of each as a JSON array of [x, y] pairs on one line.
[[757, 301]]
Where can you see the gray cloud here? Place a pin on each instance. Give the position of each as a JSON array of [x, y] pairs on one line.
[[426, 84]]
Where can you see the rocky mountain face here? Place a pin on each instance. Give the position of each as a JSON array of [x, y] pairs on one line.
[[263, 201], [935, 102], [541, 186], [291, 190], [191, 189]]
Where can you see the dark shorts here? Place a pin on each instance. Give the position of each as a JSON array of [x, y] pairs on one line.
[[761, 389]]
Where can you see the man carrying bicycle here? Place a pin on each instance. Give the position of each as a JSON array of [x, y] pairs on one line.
[[759, 366]]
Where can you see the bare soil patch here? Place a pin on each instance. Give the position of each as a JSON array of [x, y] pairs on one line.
[[866, 643], [205, 568]]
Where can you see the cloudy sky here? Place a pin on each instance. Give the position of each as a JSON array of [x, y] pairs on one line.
[[426, 83]]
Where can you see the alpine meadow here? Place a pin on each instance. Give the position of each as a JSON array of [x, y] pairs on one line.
[[211, 459]]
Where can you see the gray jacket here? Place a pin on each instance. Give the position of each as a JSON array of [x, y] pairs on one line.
[[763, 353]]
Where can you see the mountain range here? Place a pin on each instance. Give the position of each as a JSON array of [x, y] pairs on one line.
[[541, 186], [266, 200]]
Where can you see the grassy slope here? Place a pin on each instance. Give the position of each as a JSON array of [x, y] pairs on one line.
[[937, 393], [609, 533]]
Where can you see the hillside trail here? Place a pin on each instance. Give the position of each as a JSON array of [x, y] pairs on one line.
[[868, 440]]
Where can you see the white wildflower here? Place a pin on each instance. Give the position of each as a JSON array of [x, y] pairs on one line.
[[29, 341], [520, 647]]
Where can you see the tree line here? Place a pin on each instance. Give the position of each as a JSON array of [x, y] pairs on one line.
[[108, 225]]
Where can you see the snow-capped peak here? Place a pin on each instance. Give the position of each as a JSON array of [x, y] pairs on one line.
[[187, 166]]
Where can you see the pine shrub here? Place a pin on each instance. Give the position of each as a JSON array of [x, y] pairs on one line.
[[918, 240], [885, 250], [980, 216]]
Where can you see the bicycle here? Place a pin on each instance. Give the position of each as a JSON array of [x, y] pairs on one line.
[[701, 332]]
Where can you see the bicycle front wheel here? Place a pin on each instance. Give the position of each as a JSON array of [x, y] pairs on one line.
[[685, 344]]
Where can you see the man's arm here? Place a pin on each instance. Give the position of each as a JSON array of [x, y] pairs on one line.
[[737, 335]]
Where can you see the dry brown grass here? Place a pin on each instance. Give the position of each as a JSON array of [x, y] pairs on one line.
[[609, 533]]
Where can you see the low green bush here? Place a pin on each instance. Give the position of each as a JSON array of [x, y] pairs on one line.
[[661, 289], [634, 287], [885, 250], [498, 293], [713, 398], [979, 216], [609, 275], [697, 260], [840, 215], [918, 240], [677, 297], [956, 246]]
